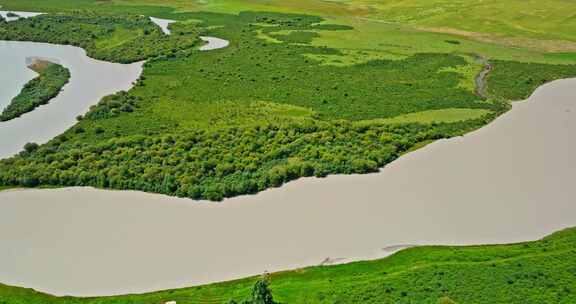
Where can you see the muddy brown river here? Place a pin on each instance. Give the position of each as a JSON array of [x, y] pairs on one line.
[[510, 181]]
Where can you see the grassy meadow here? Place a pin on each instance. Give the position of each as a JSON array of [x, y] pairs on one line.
[[532, 272]]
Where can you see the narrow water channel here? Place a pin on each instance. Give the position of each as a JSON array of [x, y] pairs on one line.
[[90, 81]]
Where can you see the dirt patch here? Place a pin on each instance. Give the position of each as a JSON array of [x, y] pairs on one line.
[[531, 43], [39, 65]]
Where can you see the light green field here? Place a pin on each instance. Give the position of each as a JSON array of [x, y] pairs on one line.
[[226, 114], [530, 19], [404, 40], [435, 116], [117, 38], [549, 20], [280, 104], [526, 31]]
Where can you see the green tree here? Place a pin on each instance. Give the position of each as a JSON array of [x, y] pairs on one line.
[[261, 293], [30, 147]]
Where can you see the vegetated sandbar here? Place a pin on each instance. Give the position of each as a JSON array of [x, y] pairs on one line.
[[51, 79], [509, 181], [90, 81]]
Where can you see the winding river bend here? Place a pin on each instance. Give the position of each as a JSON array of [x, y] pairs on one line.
[[90, 81], [211, 43], [510, 181]]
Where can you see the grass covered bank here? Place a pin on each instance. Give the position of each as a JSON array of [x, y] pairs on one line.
[[51, 79], [532, 272], [259, 113]]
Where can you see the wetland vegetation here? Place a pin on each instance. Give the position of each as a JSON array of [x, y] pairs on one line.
[[209, 125]]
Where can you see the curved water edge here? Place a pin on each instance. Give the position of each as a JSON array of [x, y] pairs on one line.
[[481, 78], [212, 43], [90, 80], [163, 24], [507, 182], [4, 14]]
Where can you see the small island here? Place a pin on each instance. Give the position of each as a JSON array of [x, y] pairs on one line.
[[39, 91]]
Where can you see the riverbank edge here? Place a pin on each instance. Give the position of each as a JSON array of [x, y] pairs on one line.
[[401, 250]]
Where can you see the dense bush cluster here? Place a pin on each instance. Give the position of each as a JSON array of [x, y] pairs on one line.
[[117, 38], [222, 163], [38, 91], [113, 105]]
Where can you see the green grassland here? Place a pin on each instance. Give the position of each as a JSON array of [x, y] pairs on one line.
[[516, 29], [52, 77], [533, 272], [432, 116], [256, 114], [548, 20]]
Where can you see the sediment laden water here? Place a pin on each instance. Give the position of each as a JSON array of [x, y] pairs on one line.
[[510, 181]]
